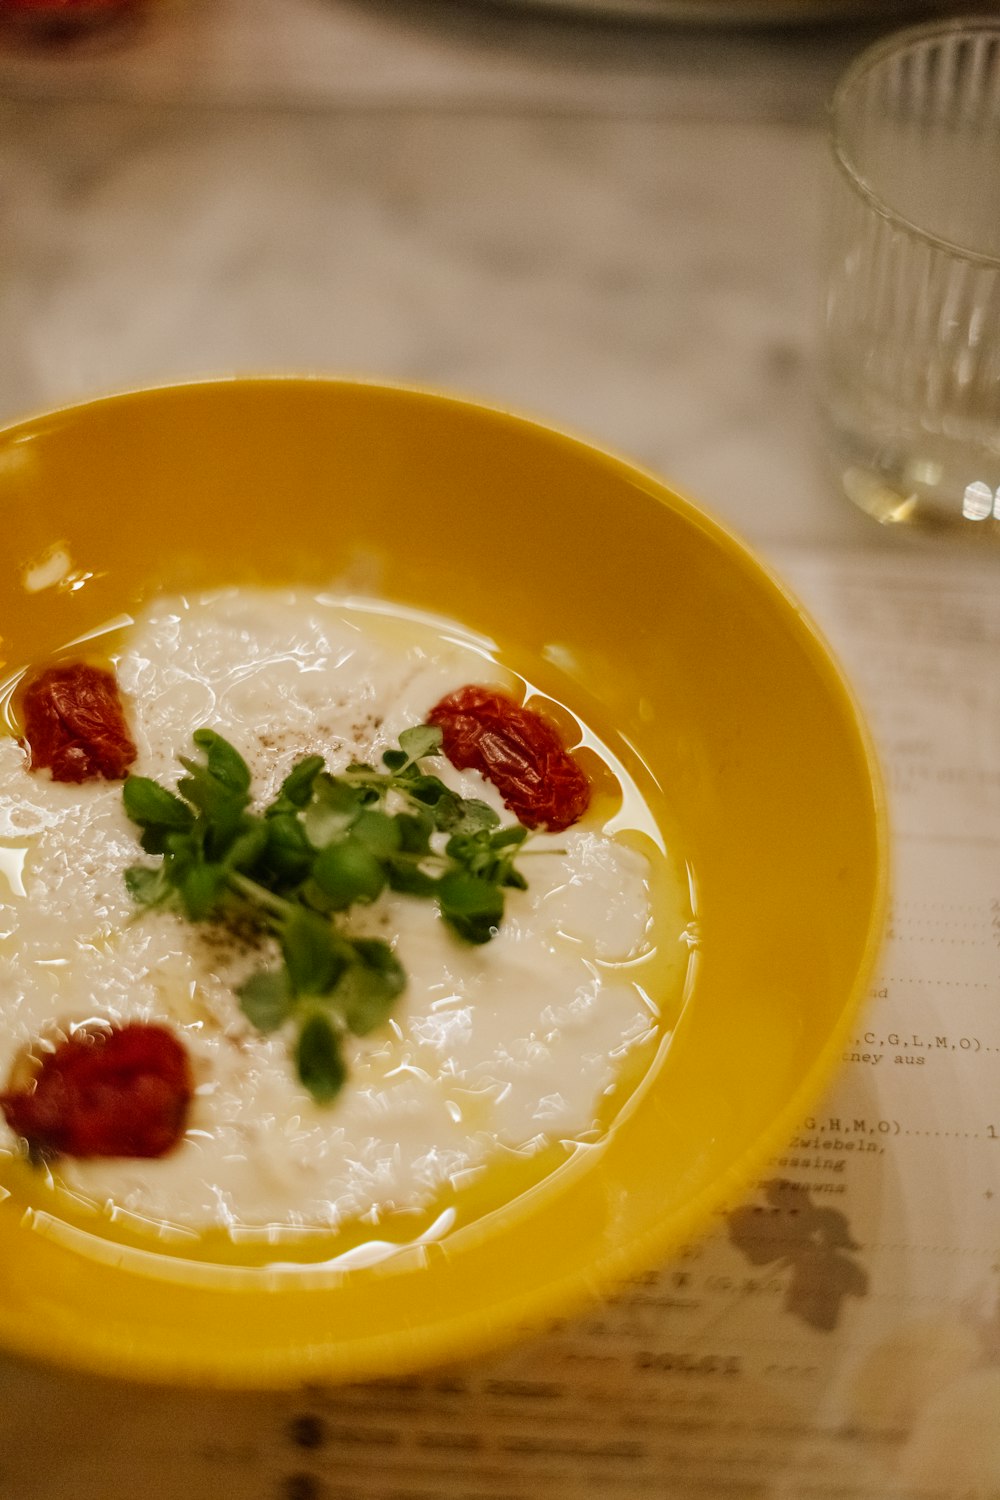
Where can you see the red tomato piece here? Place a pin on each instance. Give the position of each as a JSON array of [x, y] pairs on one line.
[[519, 751], [75, 725], [122, 1092]]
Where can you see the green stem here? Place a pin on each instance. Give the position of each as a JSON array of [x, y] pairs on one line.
[[382, 780], [259, 894]]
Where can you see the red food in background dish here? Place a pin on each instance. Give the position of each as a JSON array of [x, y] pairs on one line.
[[58, 21], [121, 1092], [520, 752], [68, 8], [75, 726]]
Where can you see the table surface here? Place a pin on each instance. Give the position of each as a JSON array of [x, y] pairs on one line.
[[613, 227]]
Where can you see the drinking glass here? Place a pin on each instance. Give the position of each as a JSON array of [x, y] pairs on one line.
[[910, 356]]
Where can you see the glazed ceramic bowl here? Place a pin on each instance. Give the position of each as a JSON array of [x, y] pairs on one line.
[[701, 670]]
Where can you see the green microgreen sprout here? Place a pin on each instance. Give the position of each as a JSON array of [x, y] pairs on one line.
[[326, 843]]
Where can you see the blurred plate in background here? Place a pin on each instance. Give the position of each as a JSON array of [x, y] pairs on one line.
[[737, 12]]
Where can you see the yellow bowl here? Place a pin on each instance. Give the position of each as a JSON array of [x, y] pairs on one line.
[[673, 635]]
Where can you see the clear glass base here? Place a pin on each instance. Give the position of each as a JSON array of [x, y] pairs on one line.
[[932, 482]]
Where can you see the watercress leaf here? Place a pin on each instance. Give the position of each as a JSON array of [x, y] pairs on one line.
[[266, 999], [515, 834], [297, 787], [421, 740], [429, 790], [201, 886], [378, 956], [415, 831], [289, 855], [247, 848], [348, 872], [394, 760], [407, 877], [221, 806], [324, 824], [509, 876], [224, 762], [473, 907], [471, 929], [147, 803], [315, 956], [311, 895], [369, 986], [153, 840], [337, 792], [463, 892], [181, 848], [380, 833], [463, 848], [364, 1001], [219, 787], [475, 815], [445, 805], [319, 1060], [227, 824], [335, 805], [147, 887]]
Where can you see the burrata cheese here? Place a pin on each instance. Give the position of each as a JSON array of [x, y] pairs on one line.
[[506, 1047]]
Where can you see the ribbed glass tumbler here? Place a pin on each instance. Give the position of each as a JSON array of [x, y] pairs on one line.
[[910, 356]]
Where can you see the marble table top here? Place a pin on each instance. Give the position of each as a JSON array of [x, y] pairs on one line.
[[650, 283], [614, 227]]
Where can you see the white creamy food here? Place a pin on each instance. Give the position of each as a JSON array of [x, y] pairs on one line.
[[505, 1047]]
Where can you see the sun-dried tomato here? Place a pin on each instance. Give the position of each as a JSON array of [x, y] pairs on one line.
[[75, 725], [120, 1092], [519, 751]]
